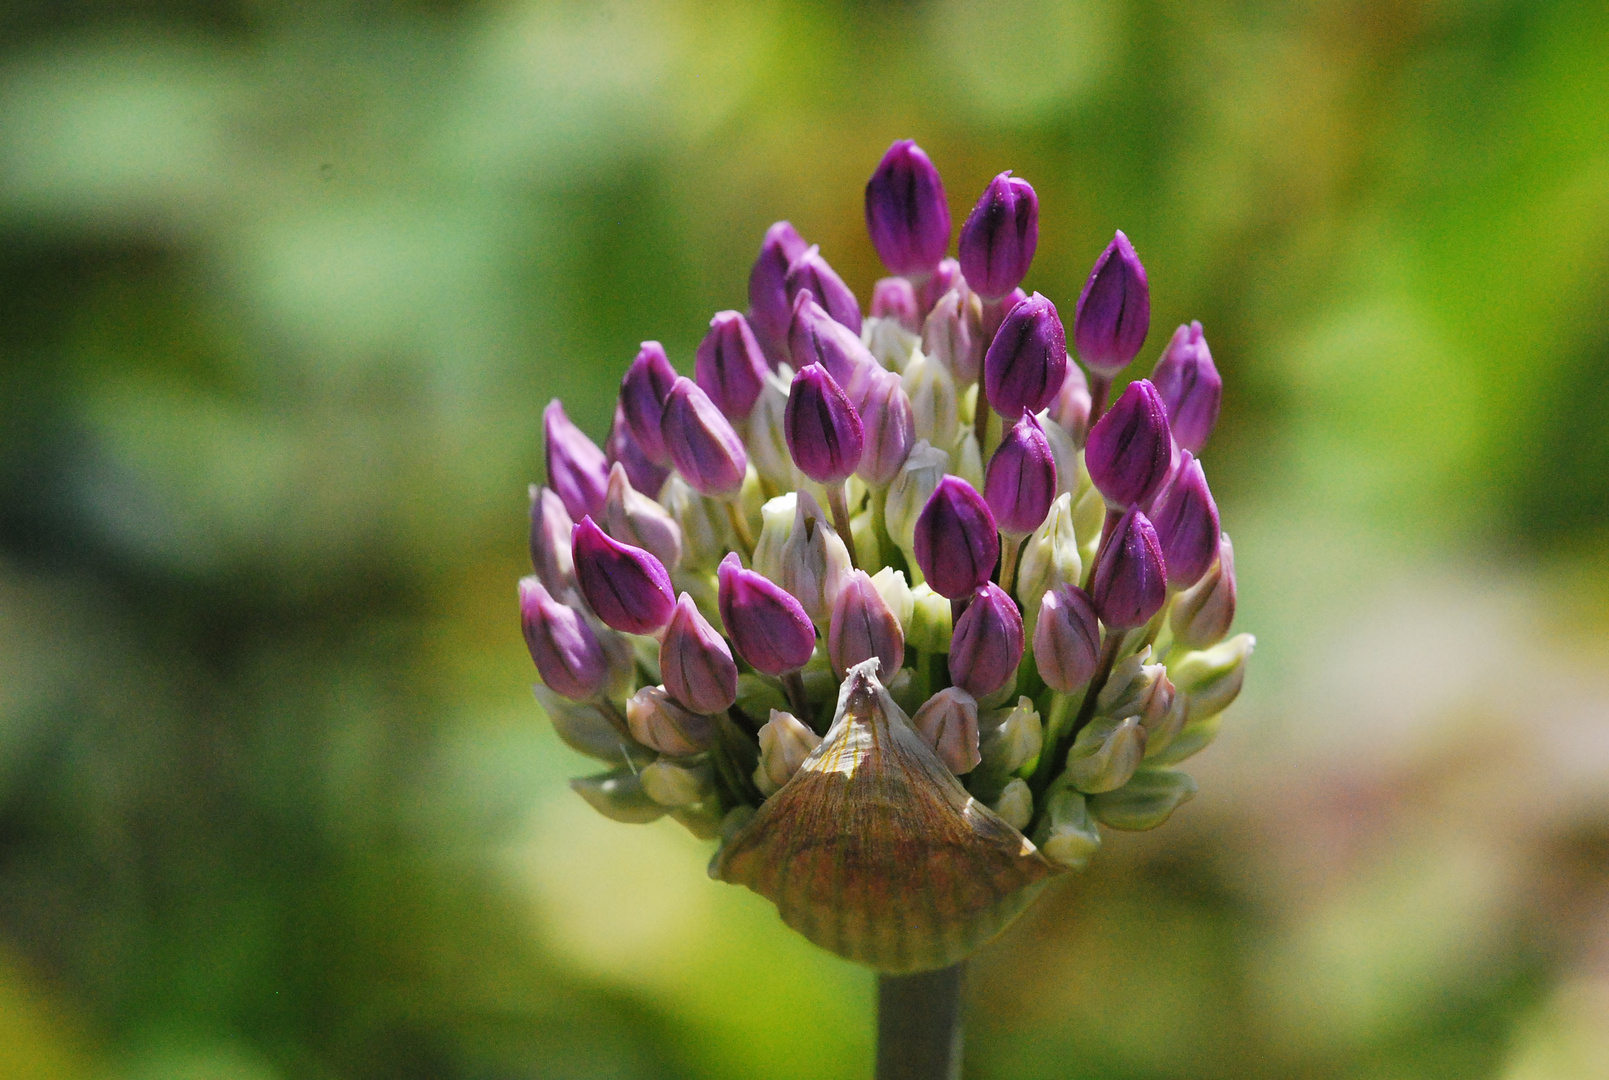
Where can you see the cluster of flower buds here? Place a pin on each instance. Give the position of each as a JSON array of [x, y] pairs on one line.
[[892, 600]]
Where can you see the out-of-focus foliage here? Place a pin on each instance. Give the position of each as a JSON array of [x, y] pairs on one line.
[[283, 288]]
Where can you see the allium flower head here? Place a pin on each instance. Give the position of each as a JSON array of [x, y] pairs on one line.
[[792, 600]]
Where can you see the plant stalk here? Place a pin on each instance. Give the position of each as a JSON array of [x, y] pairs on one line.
[[919, 1025]]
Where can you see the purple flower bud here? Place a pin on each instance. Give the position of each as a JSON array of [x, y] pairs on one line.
[[1203, 613], [1114, 310], [702, 445], [1130, 581], [814, 337], [1027, 361], [995, 313], [824, 431], [889, 426], [656, 720], [894, 298], [695, 663], [906, 212], [862, 627], [810, 271], [943, 279], [1130, 449], [550, 541], [1186, 521], [633, 518], [1190, 387], [768, 627], [577, 469], [1067, 638], [770, 306], [1021, 482], [729, 365], [953, 335], [956, 542], [567, 653], [643, 391], [625, 586], [999, 237], [623, 448], [1072, 404], [987, 646]]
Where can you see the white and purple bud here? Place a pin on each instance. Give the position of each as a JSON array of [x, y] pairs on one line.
[[770, 306], [946, 277], [1190, 387], [1147, 694], [910, 490], [768, 437], [622, 448], [907, 214], [813, 563], [566, 651], [643, 390], [889, 428], [825, 435], [1114, 310], [694, 661], [1130, 449], [948, 722], [987, 645], [896, 593], [935, 405], [953, 335], [776, 524], [633, 518], [767, 626], [706, 530], [1203, 613], [657, 721], [999, 237], [1026, 364], [810, 271], [957, 544], [863, 626], [1049, 557], [1130, 580], [1011, 741], [625, 586], [701, 442], [550, 541], [577, 469], [1069, 462], [1021, 480], [1186, 522], [894, 298], [1067, 638], [729, 365], [785, 742]]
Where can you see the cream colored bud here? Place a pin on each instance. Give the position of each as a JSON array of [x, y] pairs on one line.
[[1105, 755], [657, 721], [889, 342], [1015, 804], [1069, 461], [1089, 515], [896, 594], [776, 522], [785, 742], [929, 628], [935, 407], [633, 518], [767, 438], [953, 334], [1211, 678], [969, 458], [814, 561], [706, 532], [1068, 836], [910, 489], [948, 722], [1049, 558], [1145, 802], [1013, 740], [672, 782]]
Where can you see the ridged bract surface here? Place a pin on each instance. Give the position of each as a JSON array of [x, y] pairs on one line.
[[876, 852]]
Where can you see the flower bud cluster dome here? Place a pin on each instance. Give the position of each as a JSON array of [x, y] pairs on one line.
[[903, 606]]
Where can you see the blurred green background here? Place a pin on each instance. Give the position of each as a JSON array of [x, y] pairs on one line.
[[284, 287]]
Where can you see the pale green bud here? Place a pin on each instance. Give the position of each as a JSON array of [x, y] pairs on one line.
[[1211, 678], [1068, 836], [863, 530], [784, 744], [969, 458], [813, 562], [934, 405], [929, 628], [1069, 460], [1194, 737], [1147, 693], [1161, 733], [890, 585], [1049, 558], [910, 489], [1015, 804], [776, 523], [889, 342], [1105, 755], [767, 438], [1011, 739], [673, 782], [702, 819], [1145, 802], [948, 722], [750, 497], [618, 795], [706, 531], [585, 729], [1089, 515]]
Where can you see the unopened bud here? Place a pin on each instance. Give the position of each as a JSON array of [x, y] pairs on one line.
[[785, 742], [1026, 363], [1211, 678], [625, 586], [892, 587], [894, 300], [999, 237], [701, 442], [953, 335], [767, 626], [815, 337], [987, 646], [955, 539], [1063, 447], [1009, 742], [770, 307], [824, 430], [1130, 450], [930, 629], [889, 428], [1114, 310], [908, 493], [550, 541], [1190, 386], [643, 392], [674, 783], [1066, 638], [810, 271], [1015, 804], [622, 449], [577, 469], [1145, 802], [1021, 479], [1130, 580], [935, 408], [1068, 837], [583, 728], [695, 663], [657, 721], [1105, 755], [862, 627], [633, 518], [619, 796], [948, 722], [729, 365], [969, 457], [907, 214], [776, 524], [768, 437], [1203, 613], [1186, 522], [1072, 404], [1049, 556], [812, 563]]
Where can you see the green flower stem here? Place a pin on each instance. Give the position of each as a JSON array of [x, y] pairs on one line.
[[793, 683], [919, 1025], [740, 526], [839, 502], [1010, 546]]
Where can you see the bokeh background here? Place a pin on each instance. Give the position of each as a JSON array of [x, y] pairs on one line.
[[284, 287]]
